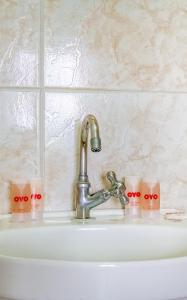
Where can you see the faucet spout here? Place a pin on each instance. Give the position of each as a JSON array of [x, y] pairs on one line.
[[91, 123]]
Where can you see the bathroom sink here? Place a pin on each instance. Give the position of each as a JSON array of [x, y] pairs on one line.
[[94, 261]]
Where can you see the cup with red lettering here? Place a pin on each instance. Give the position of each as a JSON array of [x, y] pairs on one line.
[[133, 184], [37, 198], [20, 200], [150, 197]]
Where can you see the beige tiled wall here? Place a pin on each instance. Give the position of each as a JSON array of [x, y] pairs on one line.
[[19, 42], [121, 44], [124, 61]]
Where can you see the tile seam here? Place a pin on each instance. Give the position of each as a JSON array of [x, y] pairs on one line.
[[89, 90], [83, 90], [41, 108]]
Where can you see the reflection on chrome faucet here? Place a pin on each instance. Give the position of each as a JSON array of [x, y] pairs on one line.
[[84, 200]]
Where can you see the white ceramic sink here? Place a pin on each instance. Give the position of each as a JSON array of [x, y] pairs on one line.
[[94, 261]]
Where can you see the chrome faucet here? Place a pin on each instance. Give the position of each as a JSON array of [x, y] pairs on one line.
[[84, 200]]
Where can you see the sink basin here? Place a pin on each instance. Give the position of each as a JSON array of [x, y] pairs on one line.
[[94, 261], [95, 243]]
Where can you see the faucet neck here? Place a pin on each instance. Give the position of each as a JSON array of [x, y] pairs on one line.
[[83, 176]]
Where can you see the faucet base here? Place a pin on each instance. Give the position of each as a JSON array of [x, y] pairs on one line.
[[82, 213]]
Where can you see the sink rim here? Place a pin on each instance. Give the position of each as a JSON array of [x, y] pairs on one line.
[[92, 264]]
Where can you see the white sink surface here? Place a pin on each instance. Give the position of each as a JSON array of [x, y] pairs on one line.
[[95, 243], [67, 260]]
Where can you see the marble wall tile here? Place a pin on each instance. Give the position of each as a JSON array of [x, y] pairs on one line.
[[19, 153], [116, 44], [142, 134], [19, 42]]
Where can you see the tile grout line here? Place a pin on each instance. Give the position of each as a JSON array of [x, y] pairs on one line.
[[19, 89], [99, 90], [41, 108], [81, 90]]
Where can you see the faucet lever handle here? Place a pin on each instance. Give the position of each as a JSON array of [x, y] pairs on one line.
[[118, 188], [111, 176]]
